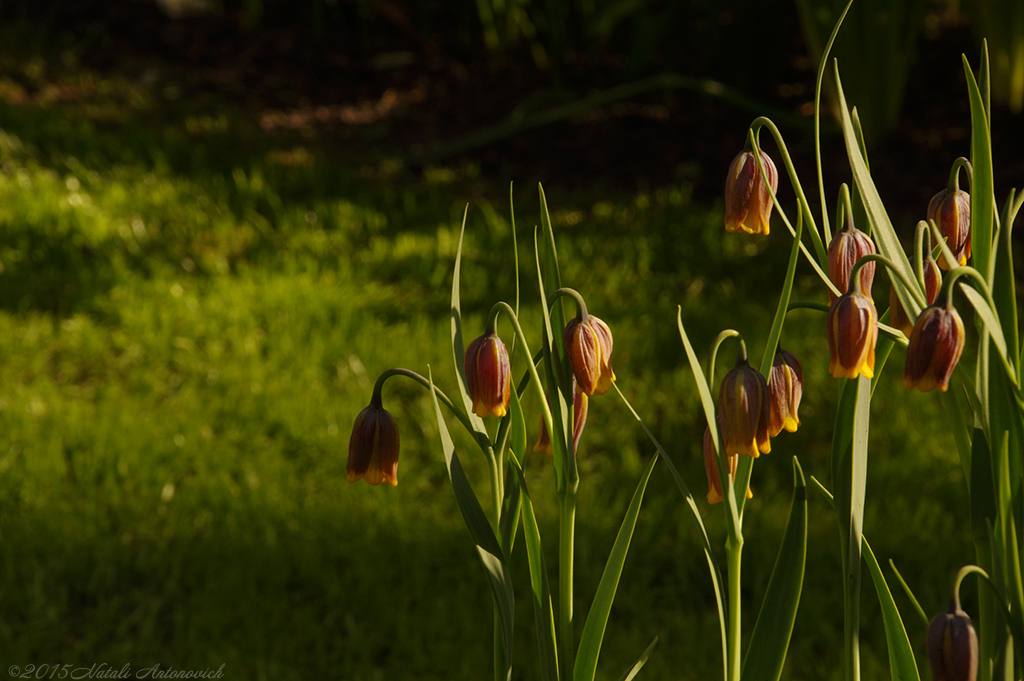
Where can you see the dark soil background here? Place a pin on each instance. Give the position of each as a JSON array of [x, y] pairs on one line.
[[380, 80]]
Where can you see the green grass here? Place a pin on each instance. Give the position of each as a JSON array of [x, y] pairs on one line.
[[194, 313]]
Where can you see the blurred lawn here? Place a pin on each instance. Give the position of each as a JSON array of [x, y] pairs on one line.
[[195, 312]]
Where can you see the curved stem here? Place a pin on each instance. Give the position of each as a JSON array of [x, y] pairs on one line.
[[920, 232], [375, 400], [794, 179], [719, 339], [581, 305], [807, 305], [876, 257], [961, 574], [954, 173]]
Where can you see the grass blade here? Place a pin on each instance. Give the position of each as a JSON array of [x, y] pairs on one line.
[[691, 505], [458, 346], [982, 186], [766, 652], [902, 665], [597, 619], [480, 529], [543, 613], [881, 227], [641, 661]]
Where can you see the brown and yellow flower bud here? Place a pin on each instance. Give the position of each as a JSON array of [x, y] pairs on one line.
[[748, 204], [743, 411], [952, 646], [785, 389], [847, 247], [951, 211], [936, 343], [711, 469], [589, 347], [852, 333], [373, 448], [932, 282], [488, 375], [580, 404]]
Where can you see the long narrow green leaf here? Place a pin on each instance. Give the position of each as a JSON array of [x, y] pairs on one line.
[[597, 619], [910, 594], [982, 186], [992, 324], [641, 661], [480, 529], [902, 665], [543, 613], [766, 652], [1004, 287], [458, 346], [691, 505], [709, 412], [881, 227]]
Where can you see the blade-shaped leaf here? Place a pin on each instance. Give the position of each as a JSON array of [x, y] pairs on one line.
[[597, 618], [543, 613], [766, 652], [486, 543], [1004, 288], [709, 409], [641, 661], [992, 325], [982, 187], [458, 346], [901, 656], [881, 227], [691, 505]]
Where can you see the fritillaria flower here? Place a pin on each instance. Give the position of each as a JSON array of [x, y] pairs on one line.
[[373, 447], [785, 389], [488, 375], [952, 646], [589, 347], [748, 204], [852, 333], [711, 469], [847, 247], [951, 211], [743, 411], [935, 347]]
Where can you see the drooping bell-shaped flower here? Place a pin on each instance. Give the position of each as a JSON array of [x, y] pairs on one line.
[[852, 333], [580, 404], [936, 343], [847, 247], [748, 204], [952, 646], [743, 411], [488, 375], [373, 448], [711, 469], [898, 318], [589, 347], [951, 211], [785, 389]]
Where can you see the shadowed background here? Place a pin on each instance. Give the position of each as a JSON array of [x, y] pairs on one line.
[[219, 222]]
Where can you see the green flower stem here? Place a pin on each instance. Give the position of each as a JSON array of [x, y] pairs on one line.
[[945, 293], [581, 304], [847, 205], [875, 257], [782, 214], [719, 339], [375, 400], [954, 174], [920, 233], [566, 555], [734, 546], [567, 522], [794, 179]]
